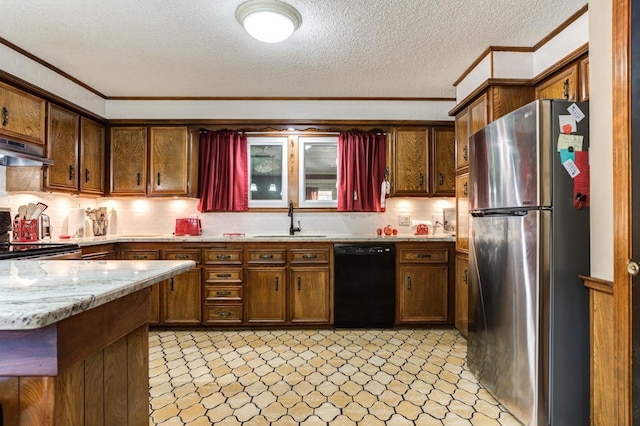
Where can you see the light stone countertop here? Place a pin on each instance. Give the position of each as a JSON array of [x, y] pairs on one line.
[[250, 238], [37, 293]]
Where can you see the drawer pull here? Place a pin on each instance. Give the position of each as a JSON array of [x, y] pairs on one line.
[[171, 284], [72, 172], [464, 152], [464, 189], [299, 282], [464, 276], [223, 256], [409, 282], [182, 256], [158, 178], [424, 256], [266, 256], [441, 179], [309, 256], [5, 116], [223, 293], [86, 175], [139, 256], [421, 179], [223, 275], [223, 313], [138, 179], [276, 283]]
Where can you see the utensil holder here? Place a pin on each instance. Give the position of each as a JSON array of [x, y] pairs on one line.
[[25, 230]]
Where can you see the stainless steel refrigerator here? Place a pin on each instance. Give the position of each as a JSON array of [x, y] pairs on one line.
[[528, 340]]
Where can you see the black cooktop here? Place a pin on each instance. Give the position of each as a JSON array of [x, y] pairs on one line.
[[36, 249]]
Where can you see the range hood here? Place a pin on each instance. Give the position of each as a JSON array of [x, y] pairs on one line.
[[14, 153]]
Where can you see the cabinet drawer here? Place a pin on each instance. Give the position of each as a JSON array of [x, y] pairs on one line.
[[223, 314], [218, 293], [223, 256], [309, 255], [424, 255], [266, 256], [140, 255], [223, 276], [182, 255]]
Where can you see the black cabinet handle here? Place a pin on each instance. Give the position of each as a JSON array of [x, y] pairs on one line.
[[158, 178], [464, 189], [86, 175], [223, 257], [223, 293], [299, 283], [223, 275], [421, 179], [138, 179], [223, 313], [464, 152], [277, 283], [424, 255], [171, 284], [441, 179], [266, 256], [5, 116], [309, 256], [464, 276], [71, 172], [409, 282], [566, 89], [182, 256]]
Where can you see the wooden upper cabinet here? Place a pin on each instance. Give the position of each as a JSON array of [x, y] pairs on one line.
[[423, 161], [128, 155], [168, 151], [462, 139], [92, 156], [411, 162], [443, 175], [563, 85], [584, 79], [62, 148], [22, 116]]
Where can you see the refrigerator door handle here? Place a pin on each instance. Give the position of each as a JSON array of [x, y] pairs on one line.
[[485, 213]]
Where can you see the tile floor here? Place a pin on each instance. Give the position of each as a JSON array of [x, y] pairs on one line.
[[316, 377]]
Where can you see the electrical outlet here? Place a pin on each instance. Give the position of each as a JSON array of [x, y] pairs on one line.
[[404, 220]]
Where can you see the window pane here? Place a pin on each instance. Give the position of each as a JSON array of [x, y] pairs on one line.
[[319, 171], [267, 178]]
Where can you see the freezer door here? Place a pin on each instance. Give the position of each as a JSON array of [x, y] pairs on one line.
[[503, 346], [504, 161]]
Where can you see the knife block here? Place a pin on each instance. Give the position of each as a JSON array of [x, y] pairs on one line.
[[25, 230]]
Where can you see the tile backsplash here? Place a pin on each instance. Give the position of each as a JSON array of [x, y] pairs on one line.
[[157, 215]]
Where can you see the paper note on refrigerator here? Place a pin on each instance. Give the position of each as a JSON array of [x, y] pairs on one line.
[[567, 124], [570, 142]]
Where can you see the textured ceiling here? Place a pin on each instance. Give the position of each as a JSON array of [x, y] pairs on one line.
[[344, 48]]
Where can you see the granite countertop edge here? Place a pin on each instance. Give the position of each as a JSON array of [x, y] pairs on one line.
[[38, 293]]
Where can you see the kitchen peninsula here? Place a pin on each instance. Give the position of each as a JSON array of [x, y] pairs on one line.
[[74, 340]]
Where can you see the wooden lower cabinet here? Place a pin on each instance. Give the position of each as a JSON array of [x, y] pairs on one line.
[[424, 286], [462, 293], [266, 301], [181, 298], [309, 292]]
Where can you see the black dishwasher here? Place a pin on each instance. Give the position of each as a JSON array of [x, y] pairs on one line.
[[364, 285]]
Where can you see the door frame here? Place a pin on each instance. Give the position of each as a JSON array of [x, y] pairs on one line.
[[622, 236]]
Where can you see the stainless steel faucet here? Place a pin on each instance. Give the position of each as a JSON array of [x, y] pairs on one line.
[[292, 229]]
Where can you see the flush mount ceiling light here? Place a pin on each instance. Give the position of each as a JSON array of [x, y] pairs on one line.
[[269, 21]]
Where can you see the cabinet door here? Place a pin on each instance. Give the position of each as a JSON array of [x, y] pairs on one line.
[[462, 212], [411, 160], [168, 160], [266, 295], [478, 114], [443, 178], [92, 153], [462, 139], [182, 298], [462, 294], [584, 79], [128, 161], [560, 86], [309, 295], [62, 148], [21, 115], [423, 294]]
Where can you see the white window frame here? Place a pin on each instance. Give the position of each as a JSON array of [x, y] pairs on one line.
[[269, 140], [302, 202]]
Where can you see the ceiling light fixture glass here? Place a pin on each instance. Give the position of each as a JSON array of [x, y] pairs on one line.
[[270, 21]]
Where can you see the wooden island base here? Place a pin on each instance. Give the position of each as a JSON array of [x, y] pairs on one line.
[[89, 369]]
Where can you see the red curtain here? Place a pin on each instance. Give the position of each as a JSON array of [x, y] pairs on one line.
[[361, 167], [223, 172]]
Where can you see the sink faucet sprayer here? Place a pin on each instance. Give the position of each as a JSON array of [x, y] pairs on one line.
[[292, 230]]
